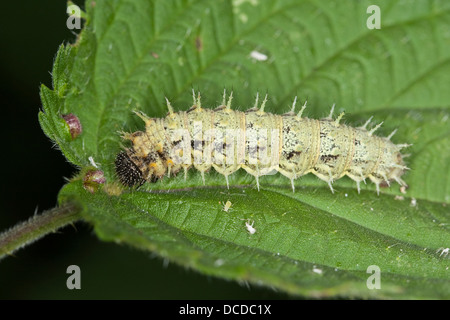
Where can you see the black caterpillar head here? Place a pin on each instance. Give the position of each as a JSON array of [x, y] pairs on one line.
[[127, 171]]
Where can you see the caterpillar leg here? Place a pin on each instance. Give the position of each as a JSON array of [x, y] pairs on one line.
[[324, 173]]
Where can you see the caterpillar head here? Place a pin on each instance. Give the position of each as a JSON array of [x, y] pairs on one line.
[[127, 171], [133, 170]]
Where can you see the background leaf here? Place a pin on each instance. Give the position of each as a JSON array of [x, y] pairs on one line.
[[133, 53]]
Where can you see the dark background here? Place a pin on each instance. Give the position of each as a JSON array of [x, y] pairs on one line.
[[33, 172]]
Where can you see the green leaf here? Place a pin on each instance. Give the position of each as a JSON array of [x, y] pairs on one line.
[[133, 53]]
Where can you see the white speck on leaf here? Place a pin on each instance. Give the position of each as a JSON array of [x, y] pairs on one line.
[[317, 270], [258, 56], [91, 160]]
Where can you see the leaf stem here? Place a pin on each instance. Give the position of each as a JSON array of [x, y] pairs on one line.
[[37, 226]]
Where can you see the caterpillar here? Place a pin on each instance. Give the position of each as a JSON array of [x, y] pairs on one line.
[[260, 142]]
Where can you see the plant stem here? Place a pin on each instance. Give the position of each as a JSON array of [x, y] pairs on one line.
[[36, 227]]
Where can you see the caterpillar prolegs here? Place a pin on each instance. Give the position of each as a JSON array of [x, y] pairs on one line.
[[261, 143]]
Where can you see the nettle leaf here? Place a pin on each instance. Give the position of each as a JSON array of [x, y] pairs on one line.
[[133, 53]]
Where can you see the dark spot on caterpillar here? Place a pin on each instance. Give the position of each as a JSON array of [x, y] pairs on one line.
[[293, 153], [151, 157], [138, 134], [162, 155], [195, 144], [191, 109], [328, 157], [154, 179], [127, 171], [220, 108]]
